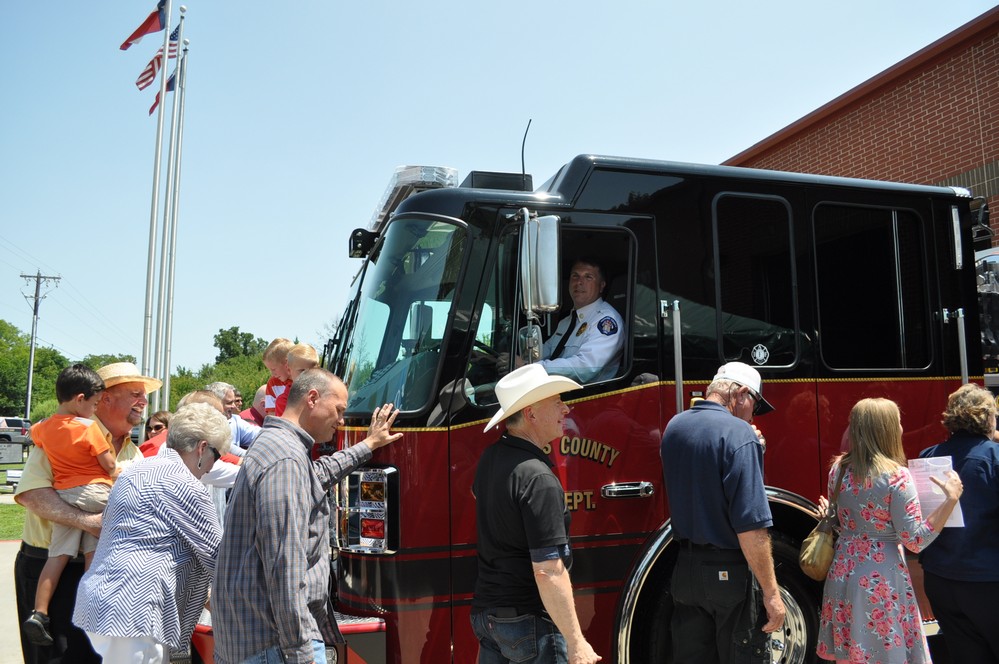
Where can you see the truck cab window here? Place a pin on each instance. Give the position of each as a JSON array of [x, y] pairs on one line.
[[393, 342], [889, 245], [596, 272], [755, 281]]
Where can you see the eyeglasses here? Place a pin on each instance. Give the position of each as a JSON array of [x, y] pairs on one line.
[[756, 402], [155, 428], [215, 453]]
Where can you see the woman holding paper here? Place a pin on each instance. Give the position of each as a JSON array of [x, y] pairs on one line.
[[869, 611], [961, 569]]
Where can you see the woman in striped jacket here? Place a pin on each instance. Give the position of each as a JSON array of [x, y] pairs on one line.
[[151, 572]]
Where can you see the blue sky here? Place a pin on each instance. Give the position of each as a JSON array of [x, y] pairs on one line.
[[297, 114]]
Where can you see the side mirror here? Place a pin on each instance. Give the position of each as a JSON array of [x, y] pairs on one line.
[[539, 263], [529, 343]]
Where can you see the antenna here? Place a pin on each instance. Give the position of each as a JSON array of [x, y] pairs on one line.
[[523, 169]]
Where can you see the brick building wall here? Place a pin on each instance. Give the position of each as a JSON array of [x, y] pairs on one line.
[[931, 119]]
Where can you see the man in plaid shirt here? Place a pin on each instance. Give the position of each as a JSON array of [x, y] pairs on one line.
[[270, 597]]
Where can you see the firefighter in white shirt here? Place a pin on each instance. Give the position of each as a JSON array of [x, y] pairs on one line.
[[588, 344]]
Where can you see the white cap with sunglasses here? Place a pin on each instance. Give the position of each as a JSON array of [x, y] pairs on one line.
[[745, 375]]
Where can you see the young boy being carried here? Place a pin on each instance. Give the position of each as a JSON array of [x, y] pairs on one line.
[[301, 357], [276, 361], [83, 468]]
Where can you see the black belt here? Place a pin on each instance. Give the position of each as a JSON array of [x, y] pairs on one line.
[[510, 612], [34, 551], [39, 553], [687, 544]]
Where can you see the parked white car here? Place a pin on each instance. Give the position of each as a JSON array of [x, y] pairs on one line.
[[15, 430]]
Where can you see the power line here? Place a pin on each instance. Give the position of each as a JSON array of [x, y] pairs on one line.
[[39, 280], [83, 309]]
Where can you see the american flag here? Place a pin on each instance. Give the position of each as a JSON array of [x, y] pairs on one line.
[[148, 74], [171, 83]]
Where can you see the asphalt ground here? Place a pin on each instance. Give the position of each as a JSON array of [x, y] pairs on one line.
[[10, 629]]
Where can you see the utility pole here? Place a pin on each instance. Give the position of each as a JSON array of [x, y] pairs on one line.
[[39, 279]]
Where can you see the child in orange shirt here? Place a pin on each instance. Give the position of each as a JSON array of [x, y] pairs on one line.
[[276, 361], [301, 357], [83, 468]]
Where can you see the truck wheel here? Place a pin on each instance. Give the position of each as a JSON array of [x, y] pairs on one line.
[[4, 439], [796, 640], [793, 644]]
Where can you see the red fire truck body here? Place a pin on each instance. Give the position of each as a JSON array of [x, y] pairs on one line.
[[835, 289]]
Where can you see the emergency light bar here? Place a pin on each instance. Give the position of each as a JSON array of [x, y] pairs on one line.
[[409, 180]]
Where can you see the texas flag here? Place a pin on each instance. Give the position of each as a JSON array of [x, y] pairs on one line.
[[171, 83], [155, 22]]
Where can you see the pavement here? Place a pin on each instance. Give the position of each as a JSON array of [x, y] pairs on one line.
[[10, 630]]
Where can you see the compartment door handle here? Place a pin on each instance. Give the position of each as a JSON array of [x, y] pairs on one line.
[[628, 490]]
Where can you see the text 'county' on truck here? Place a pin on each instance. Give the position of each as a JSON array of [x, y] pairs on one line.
[[835, 289]]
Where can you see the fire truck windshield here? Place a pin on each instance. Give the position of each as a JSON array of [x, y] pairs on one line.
[[395, 325]]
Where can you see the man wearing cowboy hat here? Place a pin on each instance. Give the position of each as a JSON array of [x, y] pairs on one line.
[[713, 467], [523, 584], [120, 408]]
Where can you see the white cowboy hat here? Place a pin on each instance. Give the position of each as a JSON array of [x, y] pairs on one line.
[[747, 376], [126, 372], [524, 386]]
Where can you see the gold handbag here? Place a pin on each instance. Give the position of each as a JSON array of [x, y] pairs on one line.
[[819, 547]]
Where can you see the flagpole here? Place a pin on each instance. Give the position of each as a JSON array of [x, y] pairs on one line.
[[154, 203], [182, 93], [160, 368]]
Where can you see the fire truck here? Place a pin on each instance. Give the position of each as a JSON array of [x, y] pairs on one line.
[[835, 289]]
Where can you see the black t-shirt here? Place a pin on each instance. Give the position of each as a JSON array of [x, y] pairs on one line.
[[520, 505]]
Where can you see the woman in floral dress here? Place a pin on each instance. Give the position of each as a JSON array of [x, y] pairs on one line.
[[869, 611]]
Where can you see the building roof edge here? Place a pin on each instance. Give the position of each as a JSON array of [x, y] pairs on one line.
[[969, 32]]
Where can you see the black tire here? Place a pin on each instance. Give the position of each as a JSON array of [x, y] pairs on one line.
[[651, 639], [793, 644]]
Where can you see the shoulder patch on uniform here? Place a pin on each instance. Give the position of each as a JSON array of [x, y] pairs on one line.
[[607, 326]]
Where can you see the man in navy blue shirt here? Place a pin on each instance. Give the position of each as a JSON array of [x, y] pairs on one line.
[[713, 469]]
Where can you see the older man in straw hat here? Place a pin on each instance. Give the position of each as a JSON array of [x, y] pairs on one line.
[[120, 408], [523, 585]]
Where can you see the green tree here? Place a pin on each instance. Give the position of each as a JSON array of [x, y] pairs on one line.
[[181, 385], [239, 362], [245, 373], [95, 362], [15, 352], [48, 364], [232, 343], [13, 369]]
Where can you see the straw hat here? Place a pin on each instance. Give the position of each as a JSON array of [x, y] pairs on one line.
[[527, 385], [126, 372], [747, 376]]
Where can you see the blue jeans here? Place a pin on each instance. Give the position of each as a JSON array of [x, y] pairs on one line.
[[527, 639], [273, 655]]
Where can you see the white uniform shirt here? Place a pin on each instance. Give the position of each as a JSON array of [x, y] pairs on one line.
[[594, 348]]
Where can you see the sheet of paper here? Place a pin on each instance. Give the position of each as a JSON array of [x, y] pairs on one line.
[[930, 495]]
